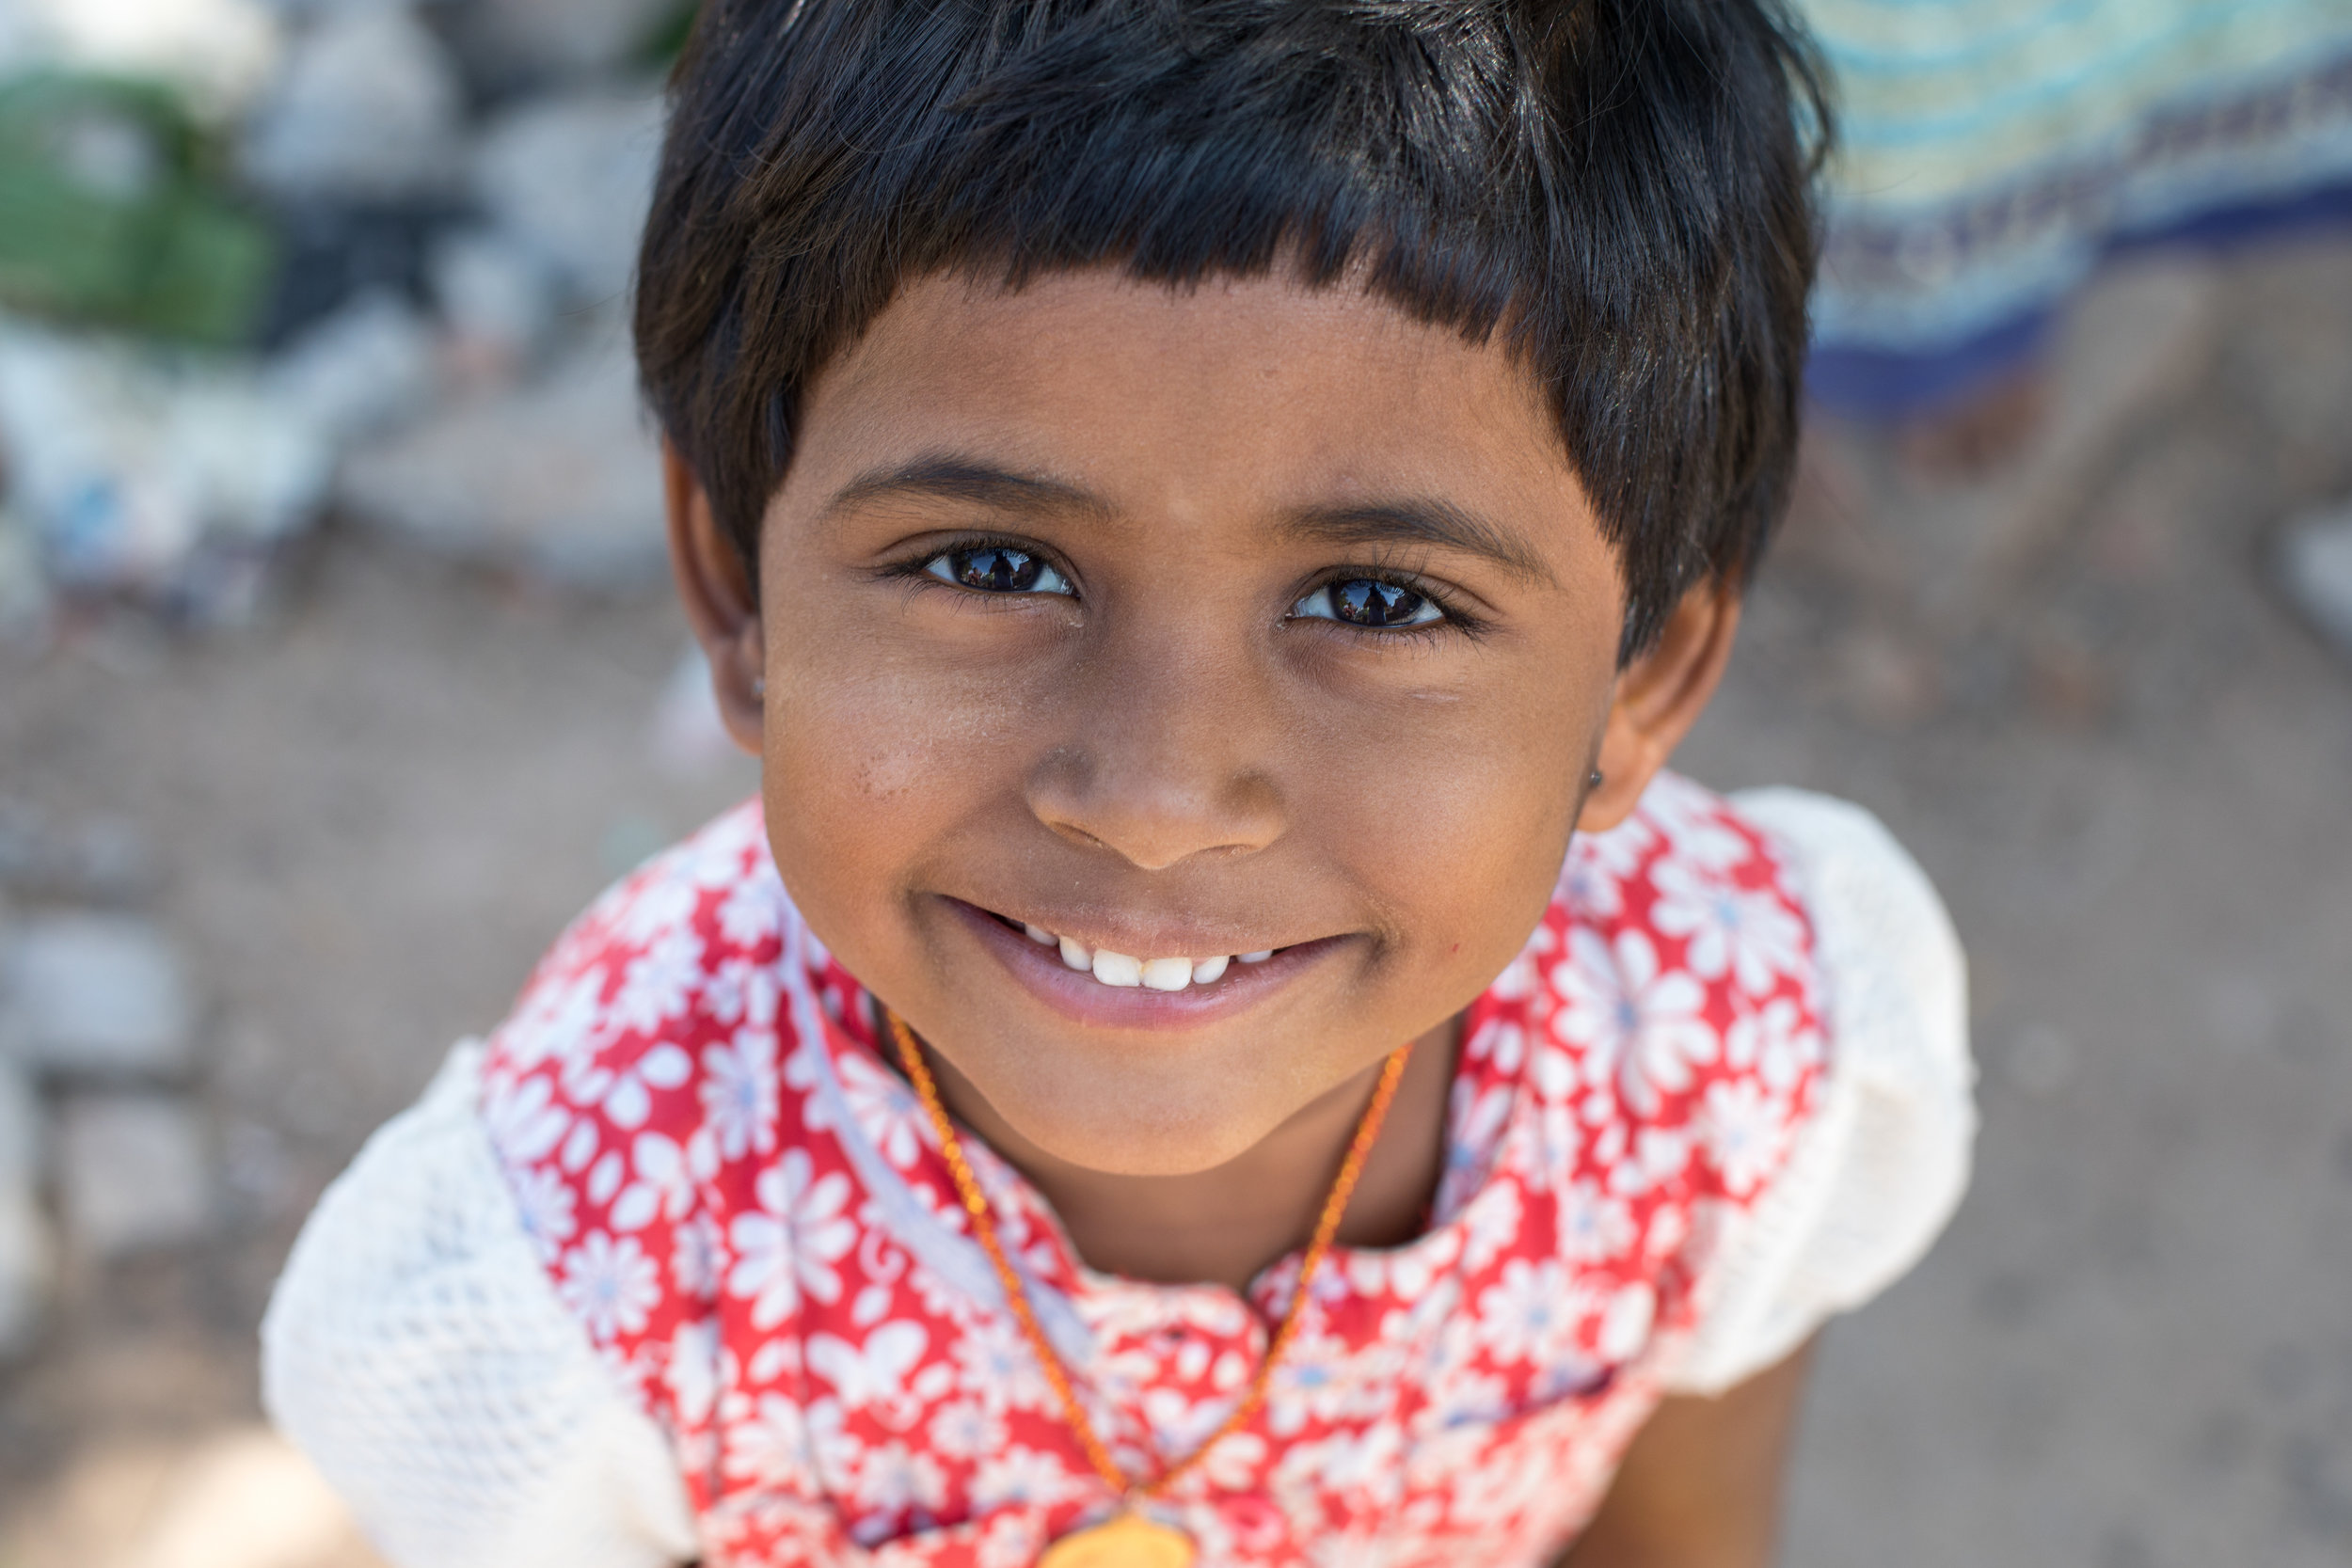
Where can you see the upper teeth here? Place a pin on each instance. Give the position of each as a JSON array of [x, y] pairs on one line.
[[1118, 968]]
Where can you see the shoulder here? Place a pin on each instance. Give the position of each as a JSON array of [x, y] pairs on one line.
[[1878, 1166], [670, 1008]]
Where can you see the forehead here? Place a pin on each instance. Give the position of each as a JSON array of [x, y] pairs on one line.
[[1155, 396]]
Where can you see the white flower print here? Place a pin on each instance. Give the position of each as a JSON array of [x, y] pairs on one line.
[[965, 1429], [791, 1245], [545, 1203], [1692, 821], [995, 1362], [1629, 1012], [1748, 933], [741, 991], [738, 1091], [874, 1373], [559, 1018], [629, 1101], [1776, 1041], [611, 1287], [695, 1258], [883, 1109], [523, 1121], [747, 913], [1594, 1227], [658, 907], [771, 1447], [1025, 1475], [892, 1481], [659, 983], [1625, 1325], [1745, 1132], [693, 1369], [1529, 1312], [662, 1184]]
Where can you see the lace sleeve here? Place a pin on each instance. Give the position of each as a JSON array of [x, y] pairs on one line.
[[416, 1351], [1882, 1162]]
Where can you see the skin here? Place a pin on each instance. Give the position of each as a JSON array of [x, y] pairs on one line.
[[1185, 754]]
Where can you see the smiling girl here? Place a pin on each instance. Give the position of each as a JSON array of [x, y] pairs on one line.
[[1218, 1041]]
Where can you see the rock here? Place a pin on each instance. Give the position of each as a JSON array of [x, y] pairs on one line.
[[129, 464], [497, 297], [27, 1251], [561, 478], [368, 108], [99, 996], [132, 1174], [2315, 567], [368, 367], [540, 40], [570, 178]]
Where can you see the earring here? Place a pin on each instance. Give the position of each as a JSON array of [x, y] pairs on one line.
[[759, 686], [1594, 782]]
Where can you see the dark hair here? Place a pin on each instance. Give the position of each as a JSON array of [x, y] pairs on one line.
[[1622, 188]]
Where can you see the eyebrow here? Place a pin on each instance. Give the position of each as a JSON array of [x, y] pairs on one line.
[[1414, 520], [1421, 520], [963, 479]]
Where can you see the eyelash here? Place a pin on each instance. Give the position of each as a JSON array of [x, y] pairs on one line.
[[915, 572]]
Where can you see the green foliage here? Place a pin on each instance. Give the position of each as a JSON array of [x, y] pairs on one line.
[[112, 212]]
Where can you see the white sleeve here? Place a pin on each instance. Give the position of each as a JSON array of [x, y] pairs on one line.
[[1882, 1164], [416, 1351]]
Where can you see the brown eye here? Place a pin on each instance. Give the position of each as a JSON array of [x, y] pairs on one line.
[[997, 569], [1370, 603]]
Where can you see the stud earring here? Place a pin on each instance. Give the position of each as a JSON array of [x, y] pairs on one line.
[[759, 686], [1594, 780]]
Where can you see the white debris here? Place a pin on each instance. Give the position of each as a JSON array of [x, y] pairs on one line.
[[368, 108], [97, 996], [125, 461], [561, 478], [221, 53], [132, 1174], [570, 177], [2316, 570], [369, 366]]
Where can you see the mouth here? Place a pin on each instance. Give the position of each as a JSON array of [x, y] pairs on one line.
[[1097, 984]]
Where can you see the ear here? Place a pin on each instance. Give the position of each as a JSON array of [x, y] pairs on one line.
[[1660, 696], [720, 607]]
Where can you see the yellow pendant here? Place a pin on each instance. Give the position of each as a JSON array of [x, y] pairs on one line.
[[1121, 1540]]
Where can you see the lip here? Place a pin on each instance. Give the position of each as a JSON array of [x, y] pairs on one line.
[[1082, 999]]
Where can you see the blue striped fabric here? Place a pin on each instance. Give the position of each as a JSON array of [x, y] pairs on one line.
[[1994, 150]]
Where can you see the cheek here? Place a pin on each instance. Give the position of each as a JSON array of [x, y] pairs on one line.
[[1460, 828]]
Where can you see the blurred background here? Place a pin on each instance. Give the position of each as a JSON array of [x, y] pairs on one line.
[[338, 670]]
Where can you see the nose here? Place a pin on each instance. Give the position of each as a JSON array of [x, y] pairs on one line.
[[1164, 759]]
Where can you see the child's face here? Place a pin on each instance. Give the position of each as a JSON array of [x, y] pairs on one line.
[[1069, 616]]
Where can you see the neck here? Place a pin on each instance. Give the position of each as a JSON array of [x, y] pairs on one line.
[[1228, 1224]]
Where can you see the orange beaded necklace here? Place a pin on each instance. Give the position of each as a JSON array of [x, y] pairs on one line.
[[1127, 1537]]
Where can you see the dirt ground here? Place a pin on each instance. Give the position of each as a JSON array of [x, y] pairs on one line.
[[2070, 689]]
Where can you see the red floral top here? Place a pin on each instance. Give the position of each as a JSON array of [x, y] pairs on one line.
[[746, 1212]]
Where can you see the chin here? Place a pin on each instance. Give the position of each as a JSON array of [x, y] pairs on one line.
[[1124, 1132]]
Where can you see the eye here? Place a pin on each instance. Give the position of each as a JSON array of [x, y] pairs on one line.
[[1369, 602], [997, 569]]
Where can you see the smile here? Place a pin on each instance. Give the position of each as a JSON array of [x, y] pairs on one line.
[[1106, 988], [1120, 969]]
